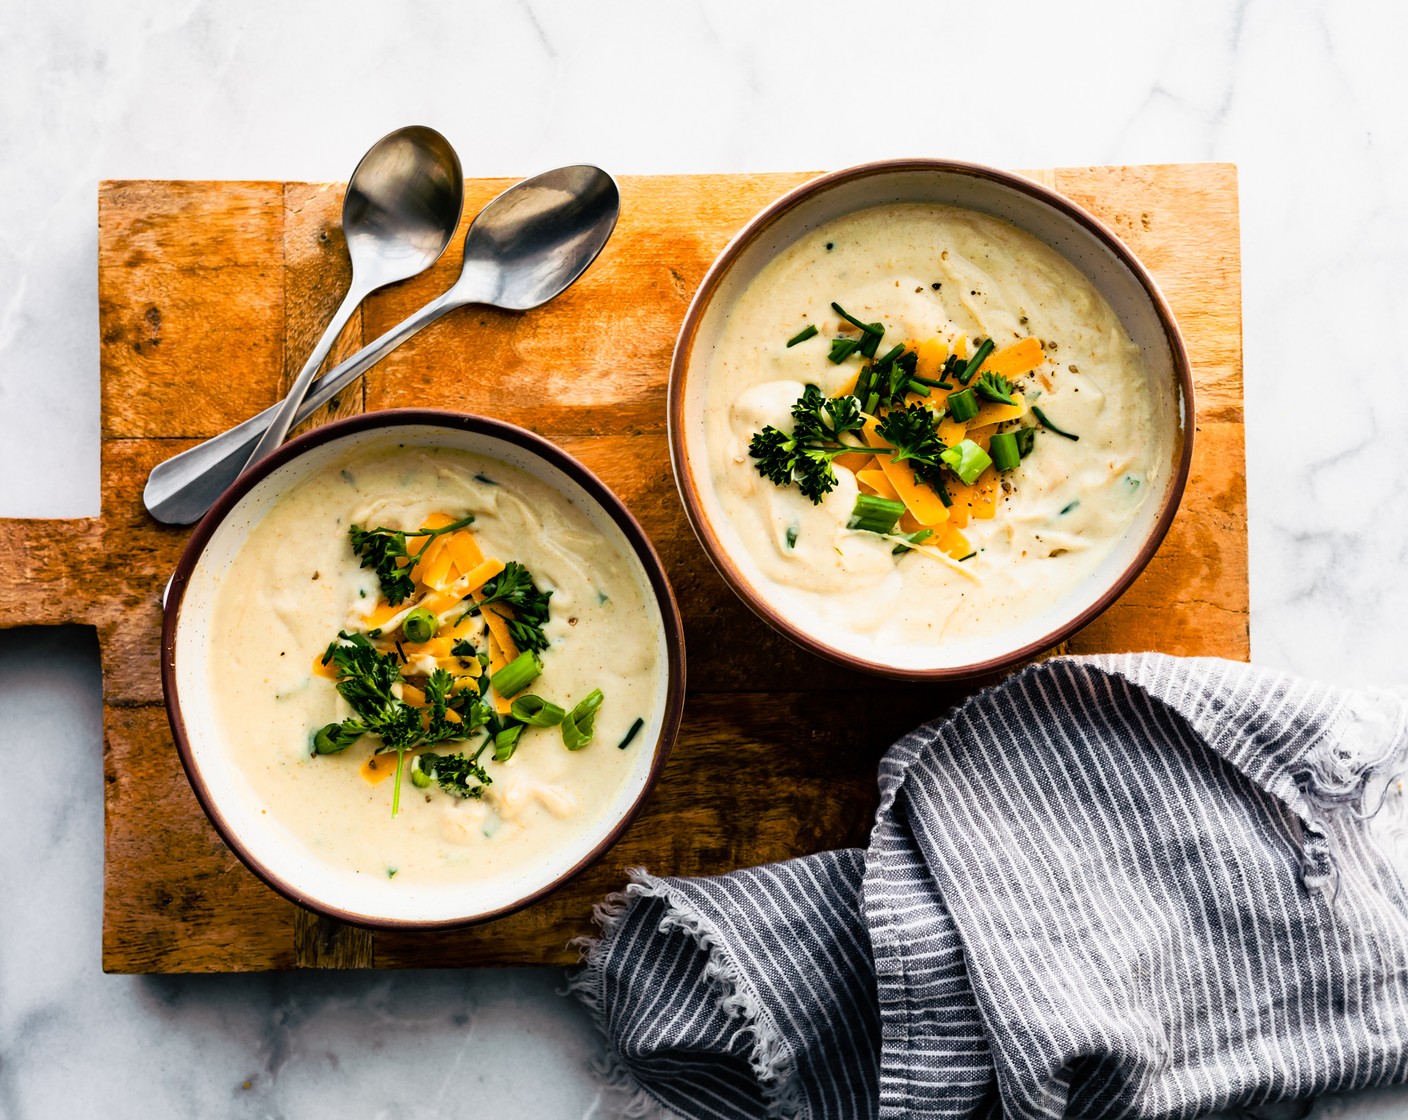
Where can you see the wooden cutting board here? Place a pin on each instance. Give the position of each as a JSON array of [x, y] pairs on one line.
[[211, 294]]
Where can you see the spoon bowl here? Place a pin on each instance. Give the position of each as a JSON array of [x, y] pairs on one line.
[[399, 212], [402, 205], [540, 235]]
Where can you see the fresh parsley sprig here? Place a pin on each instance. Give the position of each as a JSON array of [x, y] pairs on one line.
[[365, 679], [995, 388], [913, 434], [381, 549], [514, 587], [805, 456]]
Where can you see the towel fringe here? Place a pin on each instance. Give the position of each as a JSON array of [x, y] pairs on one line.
[[769, 1057]]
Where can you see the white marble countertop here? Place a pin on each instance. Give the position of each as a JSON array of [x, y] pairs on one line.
[[1307, 100]]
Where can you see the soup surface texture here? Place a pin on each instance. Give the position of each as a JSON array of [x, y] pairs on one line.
[[295, 583], [949, 279]]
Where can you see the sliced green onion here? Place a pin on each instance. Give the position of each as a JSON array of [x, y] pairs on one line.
[[536, 712], [962, 405], [809, 331], [1003, 449], [841, 349], [420, 777], [872, 403], [940, 489], [1045, 423], [1026, 440], [420, 625], [913, 538], [976, 361], [506, 742], [916, 387], [577, 728], [862, 389], [513, 678], [967, 460], [874, 514], [631, 734]]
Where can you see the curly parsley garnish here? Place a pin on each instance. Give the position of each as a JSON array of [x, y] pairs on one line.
[[818, 423], [514, 587], [382, 550]]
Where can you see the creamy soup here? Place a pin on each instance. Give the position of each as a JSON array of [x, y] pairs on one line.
[[296, 583], [952, 279]]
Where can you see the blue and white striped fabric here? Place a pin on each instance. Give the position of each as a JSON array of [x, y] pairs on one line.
[[1128, 886]]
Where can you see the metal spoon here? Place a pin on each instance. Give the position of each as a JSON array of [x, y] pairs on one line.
[[400, 211], [524, 248]]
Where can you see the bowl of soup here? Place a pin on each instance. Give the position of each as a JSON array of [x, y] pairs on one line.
[[421, 668], [928, 418]]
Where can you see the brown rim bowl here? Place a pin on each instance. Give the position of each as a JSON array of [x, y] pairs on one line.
[[1057, 222], [287, 865]]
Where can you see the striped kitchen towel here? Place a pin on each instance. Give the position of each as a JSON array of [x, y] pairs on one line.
[[1131, 886]]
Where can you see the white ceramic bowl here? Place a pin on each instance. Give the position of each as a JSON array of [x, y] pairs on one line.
[[1050, 218], [227, 797]]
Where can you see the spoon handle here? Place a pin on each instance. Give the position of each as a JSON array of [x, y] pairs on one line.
[[181, 489], [287, 409]]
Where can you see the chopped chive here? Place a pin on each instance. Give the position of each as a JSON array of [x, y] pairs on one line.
[[536, 712], [962, 405], [1026, 440], [968, 557], [514, 677], [631, 734], [976, 361], [792, 536], [871, 342], [1067, 509], [1045, 423], [913, 538], [862, 389], [873, 514], [926, 381], [485, 479], [841, 311], [942, 491], [916, 387], [809, 331], [1003, 449], [841, 349], [890, 355], [944, 385]]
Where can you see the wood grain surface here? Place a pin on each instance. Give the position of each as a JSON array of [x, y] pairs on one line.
[[211, 294]]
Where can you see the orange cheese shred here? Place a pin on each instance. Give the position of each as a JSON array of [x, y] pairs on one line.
[[878, 483], [465, 549], [378, 768], [477, 576], [1015, 360], [918, 499]]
